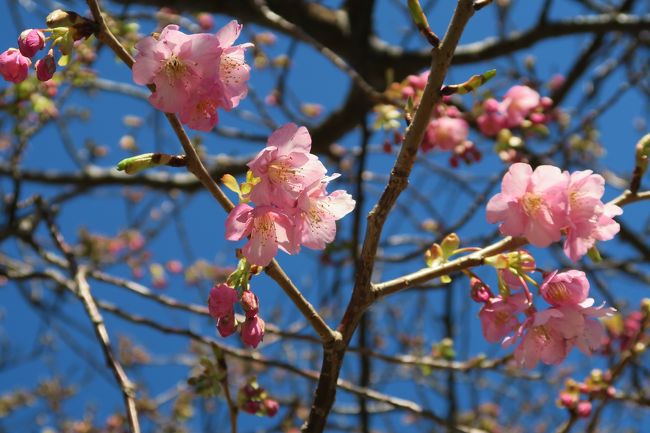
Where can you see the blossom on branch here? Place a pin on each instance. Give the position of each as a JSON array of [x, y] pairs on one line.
[[293, 206], [545, 203], [193, 74]]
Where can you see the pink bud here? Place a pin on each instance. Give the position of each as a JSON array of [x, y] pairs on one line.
[[480, 292], [567, 399], [271, 406], [251, 407], [538, 118], [46, 67], [226, 325], [584, 409], [14, 66], [30, 42], [491, 105], [250, 303], [206, 21], [221, 300], [252, 331], [174, 266]]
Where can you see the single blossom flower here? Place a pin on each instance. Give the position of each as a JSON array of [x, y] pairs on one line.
[[317, 212], [285, 167], [568, 288], [540, 342], [233, 70], [499, 316], [269, 228], [30, 42], [531, 203], [518, 103], [177, 64], [445, 133], [589, 219], [252, 331], [493, 118], [14, 66]]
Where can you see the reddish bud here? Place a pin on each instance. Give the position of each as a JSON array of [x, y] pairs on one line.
[[568, 400], [226, 325], [206, 21], [480, 292], [584, 409], [250, 303], [252, 331], [251, 407], [271, 407], [46, 67], [30, 42]]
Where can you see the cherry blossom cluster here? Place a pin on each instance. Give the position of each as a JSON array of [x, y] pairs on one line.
[[545, 335], [15, 62], [519, 104], [194, 74], [448, 130], [546, 203], [292, 206], [221, 305]]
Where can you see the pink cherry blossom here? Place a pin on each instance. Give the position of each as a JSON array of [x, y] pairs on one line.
[[252, 331], [233, 70], [493, 118], [177, 64], [445, 133], [519, 102], [588, 218], [221, 300], [269, 228], [30, 42], [568, 288], [14, 66], [541, 343], [200, 109], [317, 213], [531, 203], [285, 167], [499, 316]]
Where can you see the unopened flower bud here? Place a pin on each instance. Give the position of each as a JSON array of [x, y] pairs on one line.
[[479, 292], [251, 407], [250, 303], [226, 325], [584, 409], [252, 331], [46, 67], [205, 21], [30, 42], [270, 406], [14, 66], [568, 399]]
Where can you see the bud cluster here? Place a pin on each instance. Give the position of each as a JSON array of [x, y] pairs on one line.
[[64, 29]]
